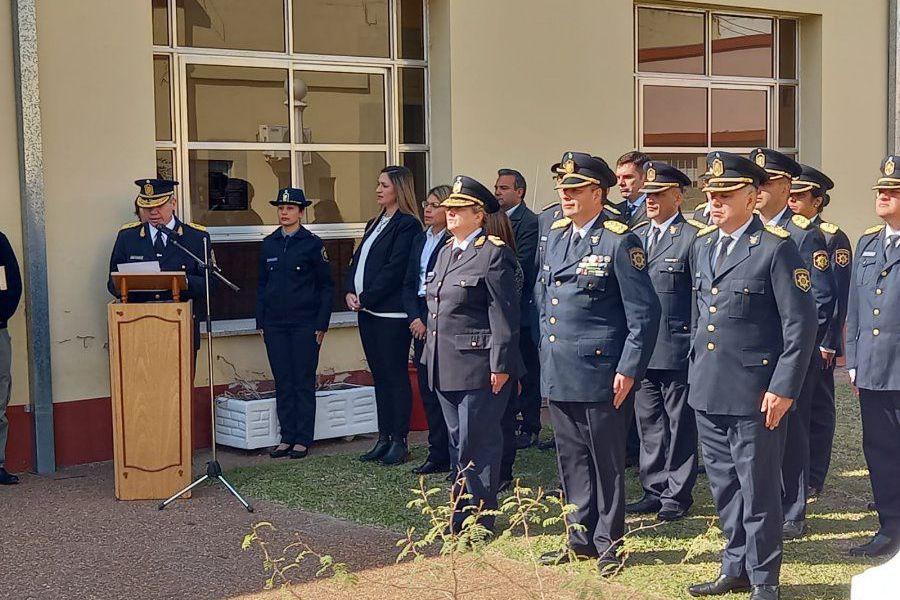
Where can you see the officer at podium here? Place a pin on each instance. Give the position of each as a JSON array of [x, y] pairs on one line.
[[148, 240]]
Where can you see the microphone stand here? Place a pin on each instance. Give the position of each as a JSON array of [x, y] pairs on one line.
[[213, 469]]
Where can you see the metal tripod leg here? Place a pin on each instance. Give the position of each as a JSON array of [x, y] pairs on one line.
[[162, 505], [235, 493]]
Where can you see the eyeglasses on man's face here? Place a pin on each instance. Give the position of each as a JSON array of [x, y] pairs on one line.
[[434, 205]]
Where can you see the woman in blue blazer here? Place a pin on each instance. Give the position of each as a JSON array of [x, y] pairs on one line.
[[375, 291]]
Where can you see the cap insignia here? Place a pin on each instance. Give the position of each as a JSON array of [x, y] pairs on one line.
[[651, 174], [569, 166], [148, 189], [717, 168], [285, 196], [457, 185], [889, 166], [760, 159]]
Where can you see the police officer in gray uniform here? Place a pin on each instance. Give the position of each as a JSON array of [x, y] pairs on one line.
[[599, 318], [772, 205], [754, 331], [873, 358], [472, 341], [809, 197], [668, 430]]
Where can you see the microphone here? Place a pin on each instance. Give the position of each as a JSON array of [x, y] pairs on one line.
[[163, 229]]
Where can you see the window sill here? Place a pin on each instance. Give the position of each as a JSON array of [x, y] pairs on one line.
[[240, 327]]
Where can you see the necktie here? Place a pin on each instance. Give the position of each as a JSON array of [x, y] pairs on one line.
[[652, 239], [158, 245], [454, 256], [576, 237], [891, 248], [724, 242]]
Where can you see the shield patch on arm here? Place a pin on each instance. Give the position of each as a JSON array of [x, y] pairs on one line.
[[638, 258], [842, 257], [820, 260], [802, 280]]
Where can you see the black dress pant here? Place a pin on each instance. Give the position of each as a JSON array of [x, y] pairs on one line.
[[880, 412], [529, 398], [385, 342], [742, 458], [438, 442], [590, 453], [821, 427], [294, 356], [473, 422], [795, 466], [668, 432]]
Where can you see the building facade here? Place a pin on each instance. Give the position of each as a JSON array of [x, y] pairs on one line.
[[236, 99]]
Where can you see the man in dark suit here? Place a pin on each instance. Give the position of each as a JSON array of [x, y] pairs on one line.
[[873, 358], [771, 202], [421, 262], [754, 328], [809, 197], [667, 427], [10, 294], [599, 318], [141, 241], [510, 190]]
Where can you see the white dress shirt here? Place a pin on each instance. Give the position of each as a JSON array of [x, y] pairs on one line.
[[734, 235], [155, 232], [662, 227], [777, 217], [361, 268], [583, 231], [510, 211], [463, 245]]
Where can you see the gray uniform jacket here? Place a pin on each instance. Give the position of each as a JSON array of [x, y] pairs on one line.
[[473, 316], [599, 314], [873, 319], [754, 322]]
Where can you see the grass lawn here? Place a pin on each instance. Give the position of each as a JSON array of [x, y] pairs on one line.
[[663, 560]]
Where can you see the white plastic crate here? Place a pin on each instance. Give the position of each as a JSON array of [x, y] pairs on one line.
[[342, 411]]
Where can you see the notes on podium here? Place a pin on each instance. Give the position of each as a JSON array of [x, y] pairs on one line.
[[151, 356]]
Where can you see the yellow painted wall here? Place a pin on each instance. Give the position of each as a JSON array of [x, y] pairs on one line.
[[10, 206]]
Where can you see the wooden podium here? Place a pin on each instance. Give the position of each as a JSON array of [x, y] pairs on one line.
[[151, 379]]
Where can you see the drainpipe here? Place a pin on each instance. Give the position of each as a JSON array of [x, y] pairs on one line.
[[31, 186]]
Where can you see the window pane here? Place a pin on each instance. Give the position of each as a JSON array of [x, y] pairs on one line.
[[674, 116], [787, 49], [162, 95], [417, 162], [231, 24], [412, 106], [339, 108], [787, 116], [670, 41], [692, 165], [412, 28], [165, 164], [741, 46], [236, 104], [341, 185], [233, 187], [161, 22], [344, 27], [739, 118]]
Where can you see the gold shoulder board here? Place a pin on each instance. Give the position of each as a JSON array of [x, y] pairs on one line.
[[613, 210], [130, 225], [800, 221], [829, 228], [195, 226], [549, 206], [639, 225], [564, 222], [696, 223], [496, 241], [616, 227], [873, 229], [480, 241], [701, 206], [707, 230], [778, 231]]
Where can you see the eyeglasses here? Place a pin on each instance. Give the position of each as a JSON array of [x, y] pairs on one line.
[[426, 204]]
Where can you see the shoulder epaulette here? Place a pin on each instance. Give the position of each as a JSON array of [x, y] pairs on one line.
[[696, 223], [829, 228], [549, 206], [707, 230], [195, 226], [873, 229], [559, 224], [800, 221], [701, 206], [449, 239], [130, 225], [616, 227], [613, 210], [496, 241], [480, 241], [641, 224], [779, 231]]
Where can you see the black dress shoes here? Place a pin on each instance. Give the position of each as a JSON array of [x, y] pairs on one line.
[[7, 478], [397, 454], [647, 504], [526, 440], [298, 453], [813, 491], [380, 449], [548, 445], [671, 514], [765, 592], [723, 585], [280, 452], [608, 565], [879, 545], [428, 467], [792, 530]]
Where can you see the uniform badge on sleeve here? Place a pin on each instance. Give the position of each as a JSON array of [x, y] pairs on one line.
[[802, 280], [638, 258], [842, 257], [820, 260]]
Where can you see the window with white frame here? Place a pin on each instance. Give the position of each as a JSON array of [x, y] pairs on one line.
[[709, 80], [255, 96]]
